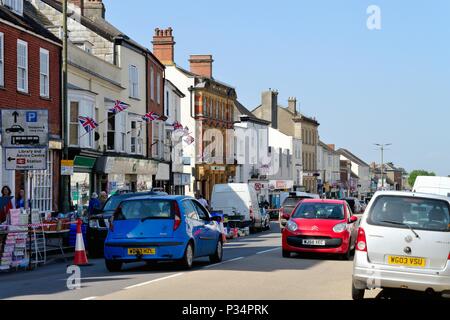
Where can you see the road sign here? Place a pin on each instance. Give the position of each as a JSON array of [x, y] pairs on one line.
[[67, 167], [26, 159], [24, 128]]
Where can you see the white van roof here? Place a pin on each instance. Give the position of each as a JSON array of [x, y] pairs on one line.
[[434, 185], [231, 187]]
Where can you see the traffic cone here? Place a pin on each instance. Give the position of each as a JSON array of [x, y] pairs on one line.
[[80, 252]]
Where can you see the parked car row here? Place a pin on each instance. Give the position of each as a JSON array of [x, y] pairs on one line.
[[402, 240]]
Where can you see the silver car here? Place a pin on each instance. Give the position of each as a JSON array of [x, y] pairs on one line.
[[403, 242]]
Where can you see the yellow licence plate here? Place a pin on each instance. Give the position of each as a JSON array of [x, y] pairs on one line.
[[407, 261], [142, 251]]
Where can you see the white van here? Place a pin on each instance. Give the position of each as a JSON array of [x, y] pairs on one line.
[[238, 201], [433, 185]]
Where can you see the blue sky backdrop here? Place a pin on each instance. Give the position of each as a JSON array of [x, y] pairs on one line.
[[387, 86]]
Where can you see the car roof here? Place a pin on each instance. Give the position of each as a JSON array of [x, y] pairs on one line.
[[411, 194], [159, 197], [326, 201]]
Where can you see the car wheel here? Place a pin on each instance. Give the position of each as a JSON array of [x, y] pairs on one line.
[[348, 255], [357, 294], [188, 258], [217, 256], [113, 266], [286, 254]]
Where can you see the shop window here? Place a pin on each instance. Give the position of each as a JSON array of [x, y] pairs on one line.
[[134, 82], [158, 89], [42, 187], [152, 84]]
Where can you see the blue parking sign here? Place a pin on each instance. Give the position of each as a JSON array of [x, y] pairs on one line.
[[32, 116]]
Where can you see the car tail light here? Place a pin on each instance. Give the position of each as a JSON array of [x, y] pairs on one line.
[[111, 224], [177, 222], [449, 256], [361, 243]]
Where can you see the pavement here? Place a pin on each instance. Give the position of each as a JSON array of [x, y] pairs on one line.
[[252, 269]]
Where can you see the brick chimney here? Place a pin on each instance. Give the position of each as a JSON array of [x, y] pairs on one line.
[[201, 64], [94, 9], [292, 105], [163, 45], [332, 147]]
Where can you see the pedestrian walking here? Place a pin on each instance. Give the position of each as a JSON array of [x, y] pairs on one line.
[[6, 203], [202, 201], [94, 203], [20, 200], [103, 198]]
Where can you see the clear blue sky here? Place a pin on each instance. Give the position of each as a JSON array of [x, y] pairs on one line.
[[363, 86]]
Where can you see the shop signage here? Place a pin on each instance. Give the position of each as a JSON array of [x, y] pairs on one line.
[[24, 128], [218, 168], [67, 167], [26, 159]]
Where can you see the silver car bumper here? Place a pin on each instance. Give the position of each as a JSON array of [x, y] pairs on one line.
[[367, 275]]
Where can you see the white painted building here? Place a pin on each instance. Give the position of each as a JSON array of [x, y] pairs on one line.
[[360, 169], [328, 165]]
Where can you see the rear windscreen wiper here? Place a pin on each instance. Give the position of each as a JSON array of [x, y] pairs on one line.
[[403, 224]]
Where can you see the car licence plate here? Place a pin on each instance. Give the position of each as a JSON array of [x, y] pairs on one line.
[[142, 251], [310, 242], [407, 261]]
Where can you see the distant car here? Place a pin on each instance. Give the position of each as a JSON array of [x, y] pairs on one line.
[[99, 222], [403, 242], [355, 205], [15, 129], [290, 204], [321, 226], [162, 228]]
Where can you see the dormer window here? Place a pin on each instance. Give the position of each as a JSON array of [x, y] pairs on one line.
[[15, 5]]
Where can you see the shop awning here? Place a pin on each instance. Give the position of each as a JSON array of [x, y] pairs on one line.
[[84, 162]]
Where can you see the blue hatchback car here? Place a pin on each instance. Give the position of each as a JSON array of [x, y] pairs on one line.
[[162, 228]]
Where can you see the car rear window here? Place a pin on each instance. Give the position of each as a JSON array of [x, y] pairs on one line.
[[292, 202], [145, 209], [326, 211], [405, 212]]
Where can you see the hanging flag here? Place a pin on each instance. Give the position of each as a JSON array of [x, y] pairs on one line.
[[177, 126], [119, 107], [88, 124], [186, 132], [152, 116], [189, 140]]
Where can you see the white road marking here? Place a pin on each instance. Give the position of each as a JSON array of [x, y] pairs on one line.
[[152, 281], [220, 263], [89, 298], [266, 251]]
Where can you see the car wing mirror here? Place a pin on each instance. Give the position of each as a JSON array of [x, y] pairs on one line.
[[353, 219]]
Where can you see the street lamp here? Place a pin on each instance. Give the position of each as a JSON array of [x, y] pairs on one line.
[[382, 149]]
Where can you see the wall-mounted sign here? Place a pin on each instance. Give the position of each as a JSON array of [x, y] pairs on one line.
[[67, 167], [26, 159], [24, 128]]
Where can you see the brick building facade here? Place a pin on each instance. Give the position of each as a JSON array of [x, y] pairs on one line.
[[38, 87]]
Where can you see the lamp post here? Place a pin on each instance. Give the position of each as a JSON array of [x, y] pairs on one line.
[[382, 148]]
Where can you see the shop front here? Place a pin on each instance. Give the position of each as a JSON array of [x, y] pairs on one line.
[[161, 180], [278, 192], [181, 181], [82, 182], [207, 176], [126, 174]]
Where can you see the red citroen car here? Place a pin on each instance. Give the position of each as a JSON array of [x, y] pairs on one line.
[[321, 226]]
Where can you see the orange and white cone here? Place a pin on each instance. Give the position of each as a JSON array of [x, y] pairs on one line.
[[80, 252]]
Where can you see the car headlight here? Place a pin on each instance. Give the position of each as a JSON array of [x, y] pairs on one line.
[[341, 227], [93, 224], [292, 226]]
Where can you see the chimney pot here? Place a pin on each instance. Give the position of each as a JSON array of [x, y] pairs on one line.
[[292, 105]]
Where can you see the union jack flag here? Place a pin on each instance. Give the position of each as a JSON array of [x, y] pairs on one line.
[[119, 107], [88, 124], [152, 116], [177, 126], [189, 140]]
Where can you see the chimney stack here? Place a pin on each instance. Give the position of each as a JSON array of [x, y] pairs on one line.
[[201, 64], [163, 46], [93, 9], [332, 147], [270, 107], [292, 105]]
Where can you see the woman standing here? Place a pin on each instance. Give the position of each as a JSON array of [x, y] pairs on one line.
[[6, 203], [20, 201]]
